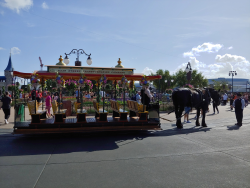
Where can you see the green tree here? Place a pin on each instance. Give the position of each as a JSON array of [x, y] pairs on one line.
[[197, 80], [220, 85], [165, 82]]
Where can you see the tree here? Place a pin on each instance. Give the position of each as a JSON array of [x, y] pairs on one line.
[[165, 82], [198, 79], [179, 80], [221, 84]]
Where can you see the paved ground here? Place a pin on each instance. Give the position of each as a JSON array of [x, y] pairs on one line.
[[216, 156]]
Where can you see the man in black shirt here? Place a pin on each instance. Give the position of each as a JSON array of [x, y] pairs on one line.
[[6, 100], [239, 105]]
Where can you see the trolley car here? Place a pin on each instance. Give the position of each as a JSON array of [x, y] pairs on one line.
[[133, 117]]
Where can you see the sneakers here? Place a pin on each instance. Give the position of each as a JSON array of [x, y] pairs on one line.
[[6, 122], [184, 121], [217, 112], [213, 113], [188, 121]]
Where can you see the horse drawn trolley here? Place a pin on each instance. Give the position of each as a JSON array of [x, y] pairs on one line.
[[125, 116]]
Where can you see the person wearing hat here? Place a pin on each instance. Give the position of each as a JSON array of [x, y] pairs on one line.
[[239, 105]]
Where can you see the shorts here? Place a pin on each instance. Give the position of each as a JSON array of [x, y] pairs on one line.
[[187, 110]]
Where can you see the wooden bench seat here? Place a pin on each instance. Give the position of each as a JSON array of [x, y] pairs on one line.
[[59, 116], [136, 109], [99, 113], [118, 111], [36, 115]]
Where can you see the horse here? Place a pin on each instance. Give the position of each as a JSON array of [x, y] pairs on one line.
[[193, 98]]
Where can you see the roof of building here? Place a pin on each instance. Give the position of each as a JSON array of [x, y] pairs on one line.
[[2, 78], [9, 66]]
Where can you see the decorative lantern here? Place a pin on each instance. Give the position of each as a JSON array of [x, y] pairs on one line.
[[34, 80]]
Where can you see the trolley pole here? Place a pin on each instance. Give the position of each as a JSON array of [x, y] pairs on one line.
[[103, 95]]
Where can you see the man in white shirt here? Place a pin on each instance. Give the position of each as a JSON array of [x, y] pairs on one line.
[[138, 97], [146, 97], [225, 98]]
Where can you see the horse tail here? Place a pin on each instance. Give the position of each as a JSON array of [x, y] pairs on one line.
[[175, 103], [190, 98]]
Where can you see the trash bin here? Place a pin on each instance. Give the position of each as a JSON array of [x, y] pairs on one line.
[[19, 112]]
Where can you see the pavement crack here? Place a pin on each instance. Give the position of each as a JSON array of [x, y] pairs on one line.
[[43, 168], [216, 150]]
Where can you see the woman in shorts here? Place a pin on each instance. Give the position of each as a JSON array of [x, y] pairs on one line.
[[186, 116]]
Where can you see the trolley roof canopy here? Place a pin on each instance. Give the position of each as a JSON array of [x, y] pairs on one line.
[[92, 73]]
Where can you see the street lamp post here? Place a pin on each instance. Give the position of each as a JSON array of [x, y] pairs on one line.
[[189, 72], [77, 62], [233, 73]]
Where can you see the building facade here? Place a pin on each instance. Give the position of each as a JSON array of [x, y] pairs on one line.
[[7, 79], [239, 84]]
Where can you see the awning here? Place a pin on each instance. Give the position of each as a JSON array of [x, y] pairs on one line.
[[48, 75]]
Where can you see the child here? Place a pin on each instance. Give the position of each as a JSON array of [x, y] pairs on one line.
[[186, 116], [48, 104]]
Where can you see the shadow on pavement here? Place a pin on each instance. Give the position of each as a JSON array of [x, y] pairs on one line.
[[19, 145], [234, 127]]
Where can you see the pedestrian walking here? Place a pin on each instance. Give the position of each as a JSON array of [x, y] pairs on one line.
[[239, 105], [186, 115], [225, 99], [6, 100], [215, 106], [48, 104]]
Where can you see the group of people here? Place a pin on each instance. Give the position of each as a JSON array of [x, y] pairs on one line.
[[237, 101]]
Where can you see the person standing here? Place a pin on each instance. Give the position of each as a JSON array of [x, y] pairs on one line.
[[239, 105], [138, 97], [39, 96], [6, 100], [146, 97], [231, 101], [215, 104], [48, 104], [33, 94], [186, 115], [225, 98], [246, 99]]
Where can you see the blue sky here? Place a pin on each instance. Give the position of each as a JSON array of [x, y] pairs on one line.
[[147, 35]]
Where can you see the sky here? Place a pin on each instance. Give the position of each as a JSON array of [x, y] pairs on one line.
[[214, 36]]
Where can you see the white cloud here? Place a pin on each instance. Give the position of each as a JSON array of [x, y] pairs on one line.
[[195, 64], [230, 48], [147, 71], [205, 47], [15, 50], [221, 66], [17, 5], [2, 48], [44, 5], [229, 58]]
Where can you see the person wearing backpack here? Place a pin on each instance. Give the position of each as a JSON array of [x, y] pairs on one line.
[[239, 105]]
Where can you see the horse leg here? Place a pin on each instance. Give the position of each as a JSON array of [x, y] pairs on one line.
[[178, 118], [203, 124], [180, 113], [197, 117]]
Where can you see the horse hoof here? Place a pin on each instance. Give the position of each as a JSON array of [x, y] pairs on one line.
[[179, 127], [204, 125], [198, 124]]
